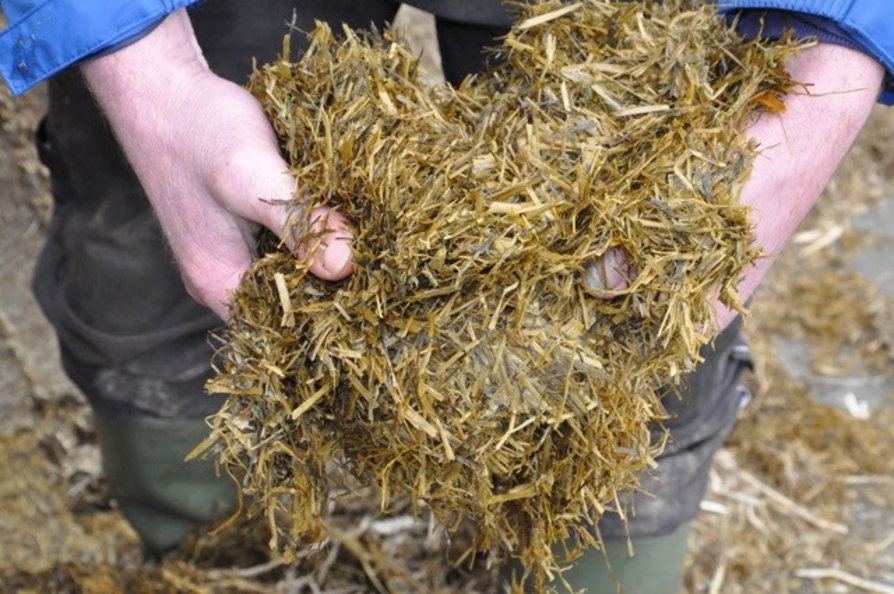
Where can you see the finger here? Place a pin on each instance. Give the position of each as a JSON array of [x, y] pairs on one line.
[[261, 196], [213, 282], [331, 256], [329, 253], [215, 290], [605, 276]]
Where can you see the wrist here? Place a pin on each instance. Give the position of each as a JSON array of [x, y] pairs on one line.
[[828, 70], [155, 70], [800, 148]]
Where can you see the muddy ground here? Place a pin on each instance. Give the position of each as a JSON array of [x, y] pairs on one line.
[[801, 499]]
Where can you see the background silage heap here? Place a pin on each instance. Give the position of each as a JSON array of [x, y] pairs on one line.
[[463, 364]]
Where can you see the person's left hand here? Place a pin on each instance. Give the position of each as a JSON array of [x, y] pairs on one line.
[[800, 149]]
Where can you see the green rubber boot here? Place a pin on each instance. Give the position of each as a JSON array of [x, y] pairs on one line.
[[161, 496], [656, 567]]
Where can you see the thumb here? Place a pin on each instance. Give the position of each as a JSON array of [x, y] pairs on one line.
[[329, 253], [332, 254], [608, 274], [263, 197]]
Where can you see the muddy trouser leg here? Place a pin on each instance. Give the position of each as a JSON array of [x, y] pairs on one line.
[[131, 338], [702, 414]]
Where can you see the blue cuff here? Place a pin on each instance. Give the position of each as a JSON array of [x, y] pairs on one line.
[[772, 24], [132, 39], [860, 24], [57, 33]]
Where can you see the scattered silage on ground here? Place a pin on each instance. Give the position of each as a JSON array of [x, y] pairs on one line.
[[463, 364], [749, 543]]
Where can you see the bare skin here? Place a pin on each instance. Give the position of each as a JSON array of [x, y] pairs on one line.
[[802, 147], [207, 158], [209, 162]]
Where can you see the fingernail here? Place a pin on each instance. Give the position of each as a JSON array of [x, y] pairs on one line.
[[335, 259], [608, 274], [594, 279]]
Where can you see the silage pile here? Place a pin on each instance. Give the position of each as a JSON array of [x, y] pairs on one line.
[[464, 364]]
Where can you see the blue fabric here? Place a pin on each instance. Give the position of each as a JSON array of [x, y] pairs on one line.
[[772, 24], [46, 36], [868, 23]]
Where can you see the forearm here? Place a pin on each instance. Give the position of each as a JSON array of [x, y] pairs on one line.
[[146, 91], [802, 147], [169, 56], [133, 84]]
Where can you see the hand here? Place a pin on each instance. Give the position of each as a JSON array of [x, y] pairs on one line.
[[801, 148], [208, 160]]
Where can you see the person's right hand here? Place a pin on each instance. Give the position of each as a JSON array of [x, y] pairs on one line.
[[208, 160]]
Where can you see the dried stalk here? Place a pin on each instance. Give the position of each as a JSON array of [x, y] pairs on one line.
[[463, 364]]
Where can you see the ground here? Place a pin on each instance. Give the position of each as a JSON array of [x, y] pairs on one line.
[[801, 499]]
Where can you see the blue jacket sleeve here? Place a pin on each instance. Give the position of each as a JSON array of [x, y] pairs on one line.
[[869, 23], [46, 36]]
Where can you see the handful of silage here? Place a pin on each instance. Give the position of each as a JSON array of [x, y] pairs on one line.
[[463, 364]]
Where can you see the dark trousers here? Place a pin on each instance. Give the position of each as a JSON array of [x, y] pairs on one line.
[[136, 343]]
